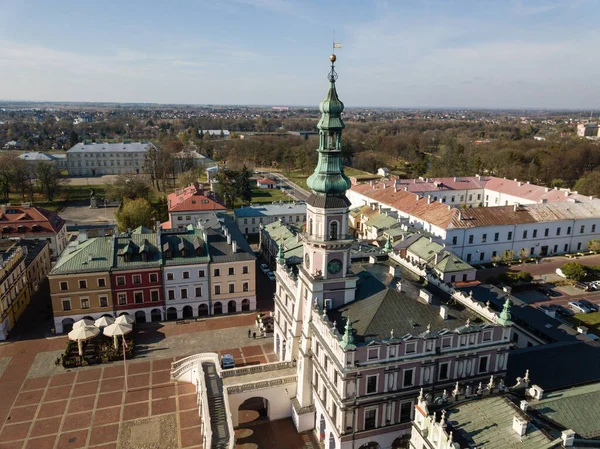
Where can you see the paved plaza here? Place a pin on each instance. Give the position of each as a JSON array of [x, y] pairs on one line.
[[47, 407]]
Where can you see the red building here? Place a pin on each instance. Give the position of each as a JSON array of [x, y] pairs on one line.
[[136, 276]]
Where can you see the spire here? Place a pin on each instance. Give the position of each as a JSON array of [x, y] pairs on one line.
[[280, 253], [348, 338], [388, 245], [329, 178], [504, 318]]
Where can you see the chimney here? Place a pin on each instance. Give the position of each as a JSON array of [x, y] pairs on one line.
[[519, 426], [395, 188], [234, 246], [516, 206], [435, 258], [3, 208], [478, 176], [90, 258], [428, 199], [547, 189], [568, 438], [455, 178], [524, 405], [566, 193], [459, 215], [519, 183], [229, 239], [444, 311]]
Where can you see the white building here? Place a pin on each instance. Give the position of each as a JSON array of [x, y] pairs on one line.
[[250, 218], [96, 159], [190, 204]]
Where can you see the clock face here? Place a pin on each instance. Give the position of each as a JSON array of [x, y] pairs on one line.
[[334, 266], [307, 260]]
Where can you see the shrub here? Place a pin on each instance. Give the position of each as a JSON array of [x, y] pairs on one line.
[[574, 271]]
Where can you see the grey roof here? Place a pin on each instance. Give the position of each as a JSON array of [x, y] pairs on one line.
[[557, 365], [136, 250], [187, 247], [37, 156], [34, 247], [137, 147], [488, 423], [378, 310], [270, 210], [328, 201], [220, 251]]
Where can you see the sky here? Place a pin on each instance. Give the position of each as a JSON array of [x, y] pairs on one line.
[[395, 53]]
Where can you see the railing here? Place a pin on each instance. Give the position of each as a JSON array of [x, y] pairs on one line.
[[256, 369], [235, 389], [231, 444], [181, 366], [205, 418]]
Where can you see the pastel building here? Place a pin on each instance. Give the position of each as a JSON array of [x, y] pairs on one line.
[[97, 159], [15, 294]]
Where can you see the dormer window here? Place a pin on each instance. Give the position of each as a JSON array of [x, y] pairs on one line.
[[169, 254], [20, 228], [6, 229], [184, 252]]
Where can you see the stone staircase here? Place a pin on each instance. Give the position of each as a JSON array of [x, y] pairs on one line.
[[216, 406]]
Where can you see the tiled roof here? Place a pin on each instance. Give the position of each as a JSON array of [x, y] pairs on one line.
[[136, 147], [270, 210], [576, 408], [191, 241], [136, 250], [192, 199], [220, 251], [33, 220], [94, 254], [531, 192], [489, 423]]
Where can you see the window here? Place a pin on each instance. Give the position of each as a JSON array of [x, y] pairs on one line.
[[122, 299], [405, 411], [198, 291], [534, 233], [231, 288], [64, 286], [594, 228], [170, 276], [186, 275], [137, 279], [200, 273], [333, 230], [217, 289], [481, 256], [557, 231], [555, 248], [66, 304], [484, 238], [494, 254], [370, 419], [179, 218], [510, 235], [171, 294], [408, 377], [446, 342], [217, 272], [582, 229], [83, 284], [569, 230], [469, 257], [444, 371], [154, 297], [103, 301], [372, 384], [187, 217], [245, 287], [454, 240], [578, 246], [184, 293], [120, 280], [245, 269], [411, 348], [487, 336], [231, 271], [138, 297], [373, 354], [245, 221], [470, 198], [525, 234], [453, 198], [496, 236], [478, 196], [101, 282], [546, 232], [566, 248], [153, 277], [85, 303], [483, 364], [453, 279], [470, 239]]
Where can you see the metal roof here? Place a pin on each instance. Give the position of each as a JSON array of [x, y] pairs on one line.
[[136, 147], [270, 210], [94, 254]]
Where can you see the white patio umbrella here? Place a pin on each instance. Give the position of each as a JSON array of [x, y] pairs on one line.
[[82, 333], [82, 323], [124, 319], [121, 329], [104, 321]]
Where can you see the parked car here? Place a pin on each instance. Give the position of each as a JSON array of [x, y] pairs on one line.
[[264, 268], [270, 275], [549, 292], [227, 361], [578, 307], [547, 310], [590, 305], [582, 286], [564, 311]]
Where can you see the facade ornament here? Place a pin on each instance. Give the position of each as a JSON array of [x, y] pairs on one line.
[[470, 293], [491, 384], [501, 385], [468, 323], [468, 391], [526, 379], [348, 338], [450, 437], [388, 245], [504, 319], [421, 397], [456, 390], [280, 253], [443, 420], [445, 395], [480, 389], [391, 333]]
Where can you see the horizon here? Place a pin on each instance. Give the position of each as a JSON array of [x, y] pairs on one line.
[[516, 55]]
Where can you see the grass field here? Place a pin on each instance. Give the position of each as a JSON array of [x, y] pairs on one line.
[[262, 196], [589, 320], [300, 178]]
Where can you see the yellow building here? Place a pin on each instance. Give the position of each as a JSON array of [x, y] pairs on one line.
[[14, 290]]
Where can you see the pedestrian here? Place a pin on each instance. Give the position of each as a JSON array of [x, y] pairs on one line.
[[249, 333], [254, 335]]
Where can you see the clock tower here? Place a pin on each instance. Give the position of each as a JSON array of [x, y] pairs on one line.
[[325, 271]]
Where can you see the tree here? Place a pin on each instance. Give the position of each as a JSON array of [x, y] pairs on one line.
[[187, 177], [234, 184], [594, 245], [508, 255], [49, 179], [243, 184], [128, 187], [134, 213], [162, 209], [574, 271], [23, 175], [523, 254], [589, 184]]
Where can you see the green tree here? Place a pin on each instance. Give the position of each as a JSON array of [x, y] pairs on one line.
[[162, 209], [589, 184], [187, 177], [523, 254], [594, 245], [128, 187], [574, 271], [134, 213]]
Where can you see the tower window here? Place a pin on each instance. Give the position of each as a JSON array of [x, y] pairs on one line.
[[310, 226], [333, 230]]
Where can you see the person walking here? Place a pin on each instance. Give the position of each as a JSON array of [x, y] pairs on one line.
[[254, 335], [249, 333]]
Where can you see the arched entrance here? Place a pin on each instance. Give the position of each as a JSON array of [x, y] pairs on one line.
[[123, 313], [171, 314], [370, 445], [402, 442], [245, 305], [217, 308], [140, 316], [253, 411], [203, 310], [155, 315], [231, 307], [67, 324], [188, 312], [87, 317]]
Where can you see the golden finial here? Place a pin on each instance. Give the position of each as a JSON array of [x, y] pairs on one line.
[[332, 58]]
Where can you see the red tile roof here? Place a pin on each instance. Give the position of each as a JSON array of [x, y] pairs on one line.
[[29, 220], [265, 181], [192, 198]]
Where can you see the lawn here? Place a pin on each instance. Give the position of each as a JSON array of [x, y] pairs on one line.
[[68, 193], [300, 178], [266, 196], [590, 320]]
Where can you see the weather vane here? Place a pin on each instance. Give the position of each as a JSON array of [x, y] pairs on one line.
[[332, 75]]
